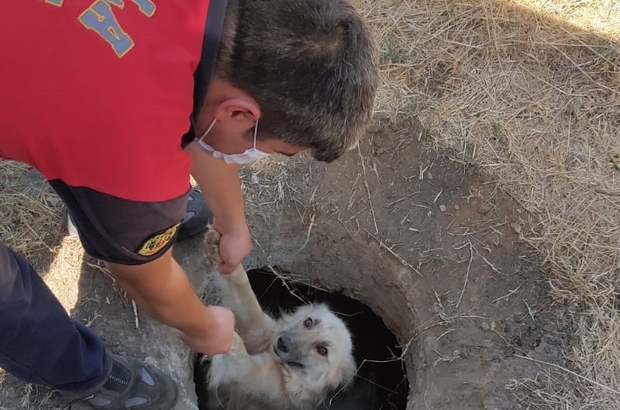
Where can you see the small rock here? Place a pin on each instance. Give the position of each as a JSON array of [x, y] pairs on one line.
[[515, 227], [488, 344], [54, 200], [429, 175], [442, 208], [379, 151], [456, 353], [376, 127], [485, 326], [484, 209], [456, 207]]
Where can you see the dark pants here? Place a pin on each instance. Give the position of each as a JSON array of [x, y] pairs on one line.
[[39, 342]]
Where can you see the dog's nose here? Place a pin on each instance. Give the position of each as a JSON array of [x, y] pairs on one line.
[[283, 344]]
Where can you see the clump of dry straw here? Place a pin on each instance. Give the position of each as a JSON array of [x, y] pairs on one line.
[[30, 212], [530, 91]]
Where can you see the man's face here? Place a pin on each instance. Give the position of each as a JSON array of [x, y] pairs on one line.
[[236, 114], [230, 140]]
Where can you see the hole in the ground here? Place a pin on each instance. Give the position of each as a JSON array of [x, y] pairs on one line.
[[381, 381]]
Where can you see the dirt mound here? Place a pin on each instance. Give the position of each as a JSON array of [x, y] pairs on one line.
[[431, 247]]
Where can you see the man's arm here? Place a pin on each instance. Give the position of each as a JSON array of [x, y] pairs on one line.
[[221, 188], [162, 290]]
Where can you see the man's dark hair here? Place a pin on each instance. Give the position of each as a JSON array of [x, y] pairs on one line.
[[311, 65]]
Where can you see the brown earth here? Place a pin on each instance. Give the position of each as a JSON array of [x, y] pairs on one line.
[[418, 236], [429, 246]]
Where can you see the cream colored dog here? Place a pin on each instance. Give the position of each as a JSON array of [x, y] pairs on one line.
[[293, 363]]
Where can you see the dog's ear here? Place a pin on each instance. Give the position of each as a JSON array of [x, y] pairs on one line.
[[346, 380], [346, 376], [349, 372]]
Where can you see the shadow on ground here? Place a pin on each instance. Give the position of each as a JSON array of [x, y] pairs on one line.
[[90, 295]]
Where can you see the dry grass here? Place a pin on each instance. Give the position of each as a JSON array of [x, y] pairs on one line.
[[30, 212], [31, 224], [530, 91]]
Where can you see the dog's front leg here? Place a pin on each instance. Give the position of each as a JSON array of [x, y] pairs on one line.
[[245, 376], [232, 366], [253, 325]]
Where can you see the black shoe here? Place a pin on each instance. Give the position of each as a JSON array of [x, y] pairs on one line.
[[197, 217], [133, 385]]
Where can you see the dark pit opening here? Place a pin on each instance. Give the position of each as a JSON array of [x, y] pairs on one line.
[[381, 381]]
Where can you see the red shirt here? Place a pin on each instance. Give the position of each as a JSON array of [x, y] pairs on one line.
[[98, 94]]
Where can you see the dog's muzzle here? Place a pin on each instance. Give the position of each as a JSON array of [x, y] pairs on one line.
[[283, 344], [284, 348]]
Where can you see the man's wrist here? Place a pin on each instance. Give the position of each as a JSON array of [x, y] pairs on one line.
[[231, 225], [204, 323]]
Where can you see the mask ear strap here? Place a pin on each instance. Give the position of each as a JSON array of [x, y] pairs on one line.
[[208, 129], [255, 132]]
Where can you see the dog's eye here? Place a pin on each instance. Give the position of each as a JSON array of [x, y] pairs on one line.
[[322, 350], [308, 322]]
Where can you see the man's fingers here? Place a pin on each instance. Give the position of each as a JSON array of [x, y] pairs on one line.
[[212, 243], [226, 268]]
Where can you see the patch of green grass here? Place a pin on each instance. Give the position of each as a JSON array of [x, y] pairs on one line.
[[412, 110], [443, 259], [393, 54], [608, 50], [615, 161], [496, 130], [448, 15]]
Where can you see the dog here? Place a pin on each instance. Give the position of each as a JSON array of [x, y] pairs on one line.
[[293, 363]]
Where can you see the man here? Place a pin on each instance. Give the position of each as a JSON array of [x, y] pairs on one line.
[[116, 102]]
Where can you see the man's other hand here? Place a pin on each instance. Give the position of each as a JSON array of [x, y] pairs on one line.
[[235, 245], [218, 337]]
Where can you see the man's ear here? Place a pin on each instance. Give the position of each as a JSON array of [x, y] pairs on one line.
[[238, 113]]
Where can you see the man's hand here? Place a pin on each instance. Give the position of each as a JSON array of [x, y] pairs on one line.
[[217, 340], [235, 244], [162, 290], [221, 188]]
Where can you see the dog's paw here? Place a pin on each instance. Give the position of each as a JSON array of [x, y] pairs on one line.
[[212, 243]]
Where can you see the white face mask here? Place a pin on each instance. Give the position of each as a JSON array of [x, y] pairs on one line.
[[249, 155]]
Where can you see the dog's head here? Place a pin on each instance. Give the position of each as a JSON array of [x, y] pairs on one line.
[[316, 346]]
